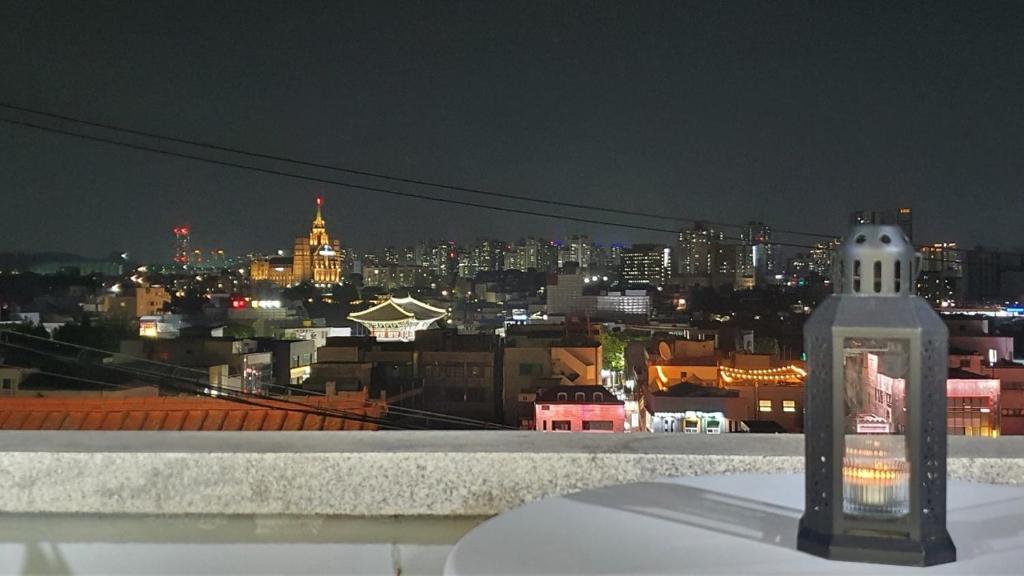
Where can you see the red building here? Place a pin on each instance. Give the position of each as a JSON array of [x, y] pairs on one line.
[[579, 409]]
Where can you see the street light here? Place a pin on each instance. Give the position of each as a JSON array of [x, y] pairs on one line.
[[876, 412]]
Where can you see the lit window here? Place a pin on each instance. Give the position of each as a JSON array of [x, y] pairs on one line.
[[787, 406], [764, 405]]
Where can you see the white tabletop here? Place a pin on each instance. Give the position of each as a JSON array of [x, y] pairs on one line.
[[741, 524]]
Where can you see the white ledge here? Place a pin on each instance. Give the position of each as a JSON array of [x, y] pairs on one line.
[[387, 473]]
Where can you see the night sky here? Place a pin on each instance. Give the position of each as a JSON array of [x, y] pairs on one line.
[[789, 112]]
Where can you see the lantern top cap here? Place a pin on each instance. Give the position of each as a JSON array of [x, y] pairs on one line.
[[877, 260]]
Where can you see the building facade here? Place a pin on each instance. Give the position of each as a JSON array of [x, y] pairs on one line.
[[579, 409], [315, 258], [646, 264]]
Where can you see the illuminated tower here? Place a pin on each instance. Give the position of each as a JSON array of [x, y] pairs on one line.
[[317, 258], [182, 244]]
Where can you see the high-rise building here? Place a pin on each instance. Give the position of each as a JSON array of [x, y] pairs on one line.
[[615, 256], [941, 280], [994, 276], [646, 264], [182, 244], [902, 217], [409, 256], [859, 217], [693, 253], [821, 257], [580, 251], [723, 263], [905, 220], [755, 257], [315, 258], [487, 255]]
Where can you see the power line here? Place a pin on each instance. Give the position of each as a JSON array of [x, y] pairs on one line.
[[399, 410], [203, 373], [382, 176], [468, 204], [206, 389], [439, 416], [319, 180]]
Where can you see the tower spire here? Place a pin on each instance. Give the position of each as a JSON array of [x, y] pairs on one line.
[[318, 222]]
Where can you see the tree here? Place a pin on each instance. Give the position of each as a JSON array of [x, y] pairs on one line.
[[613, 351], [102, 335], [239, 331], [30, 329], [302, 292], [766, 345]]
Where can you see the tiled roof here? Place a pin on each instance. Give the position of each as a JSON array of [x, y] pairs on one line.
[[386, 311], [550, 395], [399, 309], [185, 413], [421, 310]]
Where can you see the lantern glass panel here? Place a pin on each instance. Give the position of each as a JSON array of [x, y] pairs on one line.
[[876, 467]]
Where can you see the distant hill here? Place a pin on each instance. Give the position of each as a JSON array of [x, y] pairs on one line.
[[51, 262]]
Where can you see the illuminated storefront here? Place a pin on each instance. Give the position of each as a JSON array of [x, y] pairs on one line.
[[689, 422]]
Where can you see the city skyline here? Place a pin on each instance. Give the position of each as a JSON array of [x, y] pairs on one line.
[[793, 114]]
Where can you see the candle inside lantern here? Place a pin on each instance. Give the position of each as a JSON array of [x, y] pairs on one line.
[[876, 479]]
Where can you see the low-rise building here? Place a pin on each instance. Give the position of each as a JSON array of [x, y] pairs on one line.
[[568, 294], [233, 364], [693, 409], [460, 374], [534, 354], [293, 360], [579, 409]]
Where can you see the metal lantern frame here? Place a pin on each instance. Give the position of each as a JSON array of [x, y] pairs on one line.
[[874, 300]]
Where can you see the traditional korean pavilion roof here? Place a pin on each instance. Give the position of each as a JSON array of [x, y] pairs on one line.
[[397, 309], [419, 309]]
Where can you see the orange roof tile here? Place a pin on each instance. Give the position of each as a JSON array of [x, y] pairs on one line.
[[54, 420], [185, 413], [73, 421]]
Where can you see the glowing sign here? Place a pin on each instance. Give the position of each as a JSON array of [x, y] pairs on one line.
[[871, 424], [266, 304]]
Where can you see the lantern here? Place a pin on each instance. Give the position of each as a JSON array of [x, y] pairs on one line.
[[875, 427]]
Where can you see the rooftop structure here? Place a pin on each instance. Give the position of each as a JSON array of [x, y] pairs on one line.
[[398, 319]]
